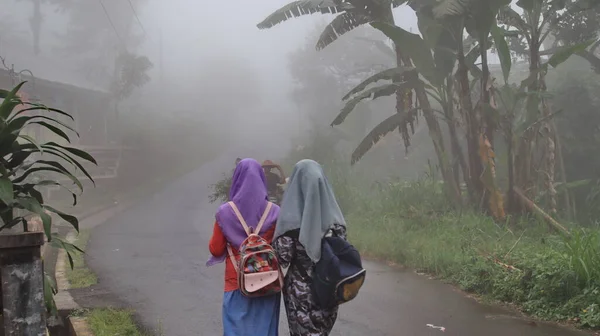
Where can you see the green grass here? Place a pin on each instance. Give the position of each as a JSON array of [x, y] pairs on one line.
[[522, 262], [113, 322], [80, 276]]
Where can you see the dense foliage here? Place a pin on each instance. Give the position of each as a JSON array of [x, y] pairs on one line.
[[28, 166], [502, 213]]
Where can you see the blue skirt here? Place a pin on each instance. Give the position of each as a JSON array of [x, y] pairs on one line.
[[243, 316]]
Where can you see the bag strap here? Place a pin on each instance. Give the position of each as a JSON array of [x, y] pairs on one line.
[[246, 228], [243, 222], [232, 258]]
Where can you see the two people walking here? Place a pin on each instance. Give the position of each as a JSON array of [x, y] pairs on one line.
[[309, 212]]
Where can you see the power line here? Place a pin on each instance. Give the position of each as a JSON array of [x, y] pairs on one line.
[[136, 16], [111, 22]]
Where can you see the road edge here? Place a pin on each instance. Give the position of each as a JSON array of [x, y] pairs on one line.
[[78, 326]]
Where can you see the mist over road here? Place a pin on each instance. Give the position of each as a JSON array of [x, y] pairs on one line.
[[152, 257]]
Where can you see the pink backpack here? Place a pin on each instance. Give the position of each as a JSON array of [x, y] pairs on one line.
[[259, 273]]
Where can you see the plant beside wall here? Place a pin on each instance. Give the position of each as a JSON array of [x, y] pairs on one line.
[[27, 166]]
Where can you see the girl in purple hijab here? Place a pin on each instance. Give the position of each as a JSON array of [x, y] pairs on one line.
[[243, 316]]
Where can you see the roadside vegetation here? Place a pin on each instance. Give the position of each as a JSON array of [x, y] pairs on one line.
[[102, 321], [478, 168], [80, 276], [111, 322]]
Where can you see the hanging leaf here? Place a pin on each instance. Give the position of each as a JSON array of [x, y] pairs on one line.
[[6, 190], [510, 17], [372, 93], [302, 7], [563, 54], [452, 8], [503, 51], [388, 125], [33, 205], [388, 74], [414, 47], [49, 292], [66, 217], [342, 24]]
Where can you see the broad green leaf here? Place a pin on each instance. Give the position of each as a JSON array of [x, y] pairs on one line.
[[414, 47], [503, 51], [12, 223], [31, 141], [60, 167], [41, 107], [68, 218], [31, 204], [54, 129], [510, 17], [6, 190], [388, 125], [563, 54], [10, 101], [20, 122], [443, 36], [72, 161], [453, 8], [49, 292], [388, 74], [302, 7], [77, 152], [342, 24], [372, 93], [48, 169]]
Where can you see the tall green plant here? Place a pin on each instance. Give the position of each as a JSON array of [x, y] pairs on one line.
[[27, 166]]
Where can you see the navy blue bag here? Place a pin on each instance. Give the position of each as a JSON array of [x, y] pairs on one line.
[[339, 275]]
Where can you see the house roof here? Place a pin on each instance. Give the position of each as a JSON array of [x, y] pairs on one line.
[[45, 67]]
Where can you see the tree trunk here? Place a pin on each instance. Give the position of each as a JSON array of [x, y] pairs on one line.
[[475, 168], [458, 157]]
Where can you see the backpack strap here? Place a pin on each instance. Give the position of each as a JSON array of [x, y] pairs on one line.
[[246, 228], [232, 258], [264, 217], [239, 217], [243, 222]]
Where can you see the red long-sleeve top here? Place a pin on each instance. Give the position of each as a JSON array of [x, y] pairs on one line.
[[218, 247]]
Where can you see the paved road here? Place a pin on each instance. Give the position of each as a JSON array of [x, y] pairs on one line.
[[152, 256]]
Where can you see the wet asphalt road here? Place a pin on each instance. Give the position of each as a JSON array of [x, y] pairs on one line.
[[152, 257]]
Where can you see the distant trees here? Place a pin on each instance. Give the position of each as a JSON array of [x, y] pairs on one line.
[[440, 67]]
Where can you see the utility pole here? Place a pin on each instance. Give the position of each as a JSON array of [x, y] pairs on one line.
[[160, 58]]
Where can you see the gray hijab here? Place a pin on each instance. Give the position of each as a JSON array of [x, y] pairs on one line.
[[309, 205]]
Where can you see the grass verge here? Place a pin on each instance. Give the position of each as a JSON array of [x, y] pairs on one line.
[[111, 322], [80, 276], [548, 276]]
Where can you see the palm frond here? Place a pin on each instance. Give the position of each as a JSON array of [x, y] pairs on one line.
[[384, 48], [388, 74], [302, 7], [510, 17], [452, 8], [372, 93], [342, 24], [384, 127]]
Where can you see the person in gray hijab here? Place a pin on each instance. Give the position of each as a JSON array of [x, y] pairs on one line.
[[309, 211]]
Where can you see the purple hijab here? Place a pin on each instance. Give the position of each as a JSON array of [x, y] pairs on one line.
[[249, 193]]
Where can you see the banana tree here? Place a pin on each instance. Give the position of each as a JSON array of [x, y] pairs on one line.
[[352, 14], [534, 26]]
